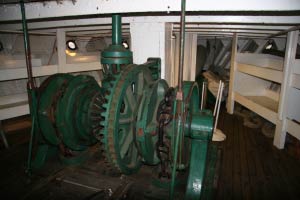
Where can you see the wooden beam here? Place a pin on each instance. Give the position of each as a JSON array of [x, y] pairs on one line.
[[233, 66]]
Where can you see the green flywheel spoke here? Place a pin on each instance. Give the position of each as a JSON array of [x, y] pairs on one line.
[[134, 154], [140, 84], [123, 129], [126, 144], [130, 100], [125, 120], [122, 114]]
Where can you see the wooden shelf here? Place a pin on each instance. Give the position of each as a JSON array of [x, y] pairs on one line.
[[261, 72], [261, 60], [13, 106], [263, 106], [296, 67], [19, 73], [252, 74], [14, 110], [295, 81], [293, 128]]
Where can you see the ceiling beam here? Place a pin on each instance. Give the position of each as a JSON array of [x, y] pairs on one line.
[[218, 20], [52, 9]]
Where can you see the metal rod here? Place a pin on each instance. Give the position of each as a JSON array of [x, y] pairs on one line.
[[3, 136], [80, 185], [30, 33], [217, 98], [219, 105], [173, 176], [116, 30], [31, 83], [28, 169], [181, 48], [294, 28], [203, 95]]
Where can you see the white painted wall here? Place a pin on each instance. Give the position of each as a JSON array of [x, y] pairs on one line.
[[148, 40]]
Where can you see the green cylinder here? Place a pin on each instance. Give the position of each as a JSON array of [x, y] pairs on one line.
[[116, 30]]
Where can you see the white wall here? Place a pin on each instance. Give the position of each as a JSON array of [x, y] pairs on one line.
[[148, 40]]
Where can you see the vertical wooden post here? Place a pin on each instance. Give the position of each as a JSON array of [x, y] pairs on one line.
[[230, 100], [168, 52], [289, 60], [61, 50]]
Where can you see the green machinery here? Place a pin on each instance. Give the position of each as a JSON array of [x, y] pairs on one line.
[[134, 115]]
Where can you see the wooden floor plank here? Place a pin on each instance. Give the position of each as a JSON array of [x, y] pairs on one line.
[[252, 168]]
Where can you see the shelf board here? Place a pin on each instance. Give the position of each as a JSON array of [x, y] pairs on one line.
[[261, 60], [293, 128], [14, 110], [296, 67], [295, 81], [261, 72], [19, 73], [263, 106]]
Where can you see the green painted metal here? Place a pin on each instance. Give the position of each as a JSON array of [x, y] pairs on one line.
[[120, 113], [195, 126], [146, 124], [116, 30], [69, 115], [175, 157], [197, 169], [154, 65], [74, 111], [50, 92], [67, 109], [116, 56], [212, 166]]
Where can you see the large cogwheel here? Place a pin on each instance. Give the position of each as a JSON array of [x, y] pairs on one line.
[[123, 96]]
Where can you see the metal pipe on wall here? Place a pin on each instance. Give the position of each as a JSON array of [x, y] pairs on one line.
[[31, 83], [116, 30], [181, 47]]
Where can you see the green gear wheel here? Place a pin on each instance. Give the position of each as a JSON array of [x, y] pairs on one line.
[[119, 124]]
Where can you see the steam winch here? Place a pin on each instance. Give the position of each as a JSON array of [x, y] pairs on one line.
[[134, 115]]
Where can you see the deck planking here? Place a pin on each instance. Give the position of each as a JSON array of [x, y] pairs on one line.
[[251, 167]]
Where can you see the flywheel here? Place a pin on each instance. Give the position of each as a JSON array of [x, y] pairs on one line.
[[120, 113]]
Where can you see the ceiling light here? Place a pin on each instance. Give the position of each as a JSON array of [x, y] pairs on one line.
[[71, 44], [70, 53], [125, 44]]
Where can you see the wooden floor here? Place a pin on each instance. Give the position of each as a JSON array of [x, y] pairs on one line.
[[250, 168]]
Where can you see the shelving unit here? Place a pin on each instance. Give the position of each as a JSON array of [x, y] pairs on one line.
[[251, 76], [289, 110], [14, 68]]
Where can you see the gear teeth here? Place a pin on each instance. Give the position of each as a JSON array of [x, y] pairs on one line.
[[103, 123], [102, 140], [112, 87], [105, 105]]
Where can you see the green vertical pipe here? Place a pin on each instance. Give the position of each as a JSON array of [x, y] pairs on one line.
[[116, 30], [173, 176], [29, 158], [31, 83], [182, 41], [30, 86]]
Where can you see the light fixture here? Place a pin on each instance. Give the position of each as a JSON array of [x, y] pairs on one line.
[[71, 44], [70, 53], [125, 44], [269, 46]]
